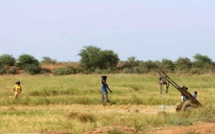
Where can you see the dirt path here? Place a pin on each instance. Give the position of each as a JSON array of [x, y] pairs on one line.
[[199, 128]]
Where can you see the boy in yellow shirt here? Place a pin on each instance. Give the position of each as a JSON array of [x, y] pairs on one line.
[[18, 89]]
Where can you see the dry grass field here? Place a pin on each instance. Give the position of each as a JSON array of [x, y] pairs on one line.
[[71, 104]]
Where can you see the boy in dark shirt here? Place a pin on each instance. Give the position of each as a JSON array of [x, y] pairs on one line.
[[104, 90]]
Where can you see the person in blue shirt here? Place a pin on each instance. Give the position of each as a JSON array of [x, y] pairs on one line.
[[185, 102], [104, 90], [185, 98], [189, 103]]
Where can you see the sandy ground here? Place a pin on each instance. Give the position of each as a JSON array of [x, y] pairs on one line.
[[199, 128]]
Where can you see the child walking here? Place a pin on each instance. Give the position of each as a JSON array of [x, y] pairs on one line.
[[104, 90], [18, 89]]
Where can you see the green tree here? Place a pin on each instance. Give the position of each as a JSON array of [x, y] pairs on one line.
[[108, 59], [167, 65], [202, 61], [183, 64], [151, 66], [93, 57], [6, 59], [29, 64], [89, 57], [131, 62], [48, 60]]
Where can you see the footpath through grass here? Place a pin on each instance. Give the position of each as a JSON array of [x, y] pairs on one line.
[[72, 103]]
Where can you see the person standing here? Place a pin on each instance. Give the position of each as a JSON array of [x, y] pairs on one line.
[[18, 89], [104, 90]]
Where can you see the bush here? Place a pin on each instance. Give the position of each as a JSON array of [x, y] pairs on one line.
[[26, 60], [32, 69], [8, 70], [131, 70], [65, 70], [196, 71], [2, 70], [13, 70], [45, 70]]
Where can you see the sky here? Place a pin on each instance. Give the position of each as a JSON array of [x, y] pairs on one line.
[[144, 29]]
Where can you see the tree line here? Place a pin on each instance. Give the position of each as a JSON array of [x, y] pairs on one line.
[[96, 60]]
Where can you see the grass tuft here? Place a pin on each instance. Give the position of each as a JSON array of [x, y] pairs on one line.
[[87, 118], [73, 115], [82, 117], [115, 131]]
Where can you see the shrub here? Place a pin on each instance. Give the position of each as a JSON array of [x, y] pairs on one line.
[[5, 69], [45, 70], [26, 59], [32, 69], [2, 70], [14, 70], [29, 64], [196, 71], [65, 70]]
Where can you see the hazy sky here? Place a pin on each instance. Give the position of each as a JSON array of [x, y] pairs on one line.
[[146, 29]]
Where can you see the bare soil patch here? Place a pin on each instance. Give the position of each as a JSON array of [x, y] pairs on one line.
[[54, 132], [116, 128], [199, 128]]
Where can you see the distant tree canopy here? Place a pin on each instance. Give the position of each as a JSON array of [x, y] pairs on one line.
[[167, 65], [93, 57], [29, 64], [26, 59], [48, 60], [183, 64], [131, 62], [96, 60], [202, 61], [108, 59], [6, 59]]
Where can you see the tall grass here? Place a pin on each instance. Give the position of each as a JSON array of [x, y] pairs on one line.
[[72, 103]]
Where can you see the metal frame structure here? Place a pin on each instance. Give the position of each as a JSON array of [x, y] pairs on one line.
[[182, 90]]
